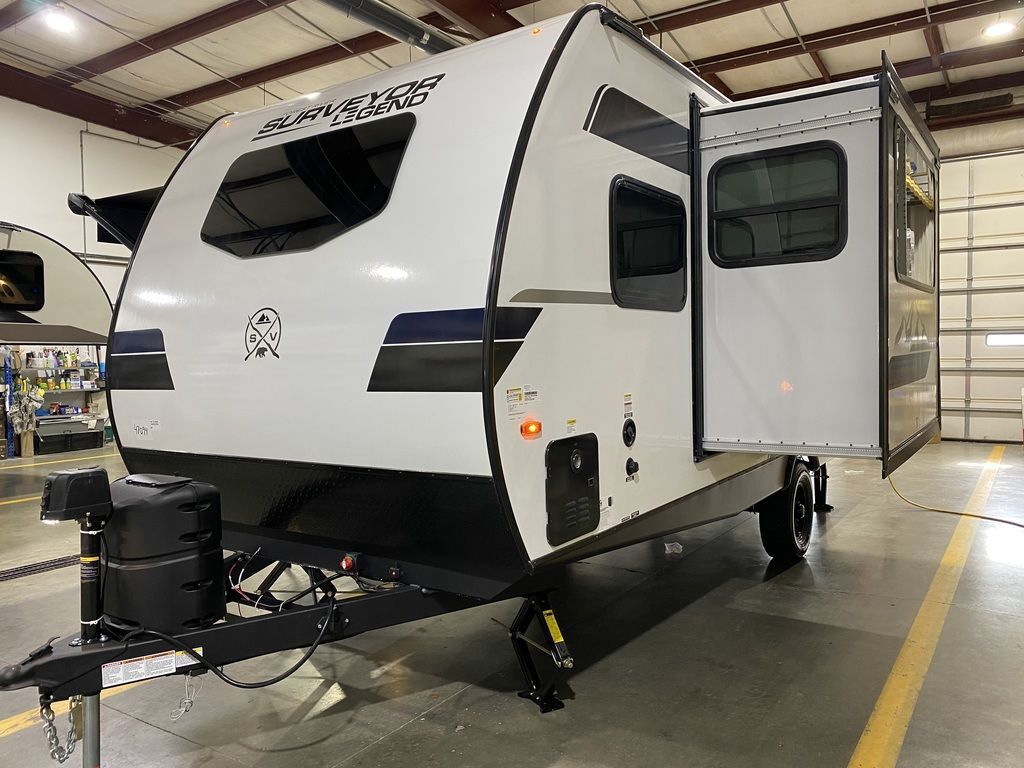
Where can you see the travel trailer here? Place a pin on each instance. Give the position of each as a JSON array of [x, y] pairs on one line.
[[48, 295], [459, 323]]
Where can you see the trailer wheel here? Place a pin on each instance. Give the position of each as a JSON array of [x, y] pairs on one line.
[[787, 517]]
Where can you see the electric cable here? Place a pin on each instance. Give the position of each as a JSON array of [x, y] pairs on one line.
[[185, 648], [926, 508]]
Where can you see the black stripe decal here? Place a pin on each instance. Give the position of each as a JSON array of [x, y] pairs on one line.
[[129, 342], [908, 368], [450, 325], [623, 120], [138, 372], [436, 367]]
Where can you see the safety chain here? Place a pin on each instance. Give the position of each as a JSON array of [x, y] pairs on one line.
[[57, 751]]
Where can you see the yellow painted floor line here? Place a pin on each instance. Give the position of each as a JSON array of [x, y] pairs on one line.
[[882, 739], [79, 459], [30, 718], [5, 502]]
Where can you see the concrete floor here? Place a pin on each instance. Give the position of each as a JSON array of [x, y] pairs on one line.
[[711, 657]]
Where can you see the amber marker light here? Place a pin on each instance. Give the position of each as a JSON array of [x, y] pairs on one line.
[[535, 31], [530, 429]]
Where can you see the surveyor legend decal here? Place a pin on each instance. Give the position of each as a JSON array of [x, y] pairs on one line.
[[354, 108]]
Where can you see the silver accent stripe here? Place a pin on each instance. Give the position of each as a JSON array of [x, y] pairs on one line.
[[786, 129], [793, 449], [551, 296]]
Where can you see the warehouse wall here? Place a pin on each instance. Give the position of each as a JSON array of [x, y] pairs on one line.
[[982, 284], [47, 155]]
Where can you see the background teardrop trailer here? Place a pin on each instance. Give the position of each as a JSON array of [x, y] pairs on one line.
[[516, 380]]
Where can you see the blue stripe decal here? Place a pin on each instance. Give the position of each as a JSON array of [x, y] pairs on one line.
[[134, 342], [450, 325], [443, 325]]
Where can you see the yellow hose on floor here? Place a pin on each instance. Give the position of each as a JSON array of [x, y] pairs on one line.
[[953, 512]]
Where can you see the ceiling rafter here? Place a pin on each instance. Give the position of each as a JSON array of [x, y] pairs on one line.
[[934, 41], [820, 64], [18, 11], [1012, 112], [986, 54], [956, 10], [699, 14], [24, 86], [372, 41], [330, 54], [480, 17], [969, 87], [191, 29]]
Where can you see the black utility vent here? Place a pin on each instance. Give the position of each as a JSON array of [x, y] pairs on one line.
[[572, 488]]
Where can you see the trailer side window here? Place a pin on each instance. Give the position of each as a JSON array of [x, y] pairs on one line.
[[21, 282], [778, 206], [915, 214], [648, 250], [300, 194]]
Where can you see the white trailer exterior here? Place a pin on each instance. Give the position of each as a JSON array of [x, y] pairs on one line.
[[488, 274], [47, 294]]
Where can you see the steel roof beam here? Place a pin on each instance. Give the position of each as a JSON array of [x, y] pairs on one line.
[[355, 46], [479, 17], [957, 10], [986, 54], [18, 11], [24, 86], [193, 28]]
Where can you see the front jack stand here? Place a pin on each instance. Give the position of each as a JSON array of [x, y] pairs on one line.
[[821, 490], [539, 692]]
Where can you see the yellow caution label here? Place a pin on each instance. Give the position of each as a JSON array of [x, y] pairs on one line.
[[91, 559], [556, 633]]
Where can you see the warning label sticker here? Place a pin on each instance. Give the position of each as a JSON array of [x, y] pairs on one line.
[[627, 406], [520, 400], [145, 667], [570, 426]]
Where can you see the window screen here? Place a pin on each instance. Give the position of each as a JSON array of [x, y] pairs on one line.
[[648, 247], [915, 213], [779, 206], [297, 195], [21, 281]]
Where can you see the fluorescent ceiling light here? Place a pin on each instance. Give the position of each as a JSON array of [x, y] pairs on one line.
[[58, 20], [1004, 339], [999, 29]]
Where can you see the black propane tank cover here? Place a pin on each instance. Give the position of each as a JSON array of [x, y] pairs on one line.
[[164, 563]]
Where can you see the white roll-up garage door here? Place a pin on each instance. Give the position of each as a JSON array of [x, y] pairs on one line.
[[982, 296]]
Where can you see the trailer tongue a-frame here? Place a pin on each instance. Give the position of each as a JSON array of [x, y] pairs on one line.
[[657, 309]]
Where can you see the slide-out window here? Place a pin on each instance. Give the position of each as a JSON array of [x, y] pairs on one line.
[[915, 213], [778, 206], [300, 194], [648, 249], [21, 281]]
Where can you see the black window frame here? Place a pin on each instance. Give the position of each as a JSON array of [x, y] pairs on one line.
[[35, 261], [900, 199], [841, 201], [405, 115], [636, 185]]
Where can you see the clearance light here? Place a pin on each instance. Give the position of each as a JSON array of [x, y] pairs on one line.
[[58, 20], [530, 429], [535, 31], [999, 29]]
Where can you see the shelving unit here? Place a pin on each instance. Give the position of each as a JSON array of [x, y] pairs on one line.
[[67, 431]]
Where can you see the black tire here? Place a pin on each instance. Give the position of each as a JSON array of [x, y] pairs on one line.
[[787, 517]]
